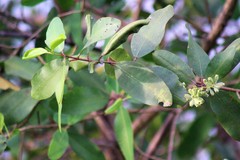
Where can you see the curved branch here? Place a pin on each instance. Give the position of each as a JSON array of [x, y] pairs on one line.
[[219, 25]]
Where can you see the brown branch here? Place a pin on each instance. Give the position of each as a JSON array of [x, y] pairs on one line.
[[219, 25], [145, 155], [30, 127], [159, 135], [137, 12], [172, 134], [230, 89]]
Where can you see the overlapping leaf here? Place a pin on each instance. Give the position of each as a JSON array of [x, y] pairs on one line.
[[142, 84], [175, 64], [150, 36]]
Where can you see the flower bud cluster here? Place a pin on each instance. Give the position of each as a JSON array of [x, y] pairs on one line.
[[195, 94], [212, 85]]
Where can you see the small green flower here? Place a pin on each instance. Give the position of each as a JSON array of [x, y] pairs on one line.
[[194, 96], [212, 85]]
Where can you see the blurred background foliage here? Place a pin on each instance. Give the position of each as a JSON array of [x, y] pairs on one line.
[[32, 123]]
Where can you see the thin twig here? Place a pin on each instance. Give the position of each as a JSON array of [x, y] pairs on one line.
[[137, 12], [230, 89], [172, 134], [144, 154], [159, 135], [30, 127]]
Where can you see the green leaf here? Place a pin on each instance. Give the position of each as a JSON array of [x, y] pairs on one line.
[[15, 106], [115, 106], [30, 3], [17, 67], [173, 83], [61, 38], [175, 64], [2, 124], [197, 134], [116, 55], [142, 84], [85, 100], [104, 28], [225, 61], [58, 144], [122, 35], [49, 80], [32, 53], [197, 57], [3, 143], [84, 148], [227, 111], [55, 35], [150, 36], [124, 133], [77, 65], [84, 78]]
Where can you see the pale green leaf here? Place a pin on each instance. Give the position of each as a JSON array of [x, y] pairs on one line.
[[197, 57], [58, 145], [32, 53], [142, 84], [104, 28], [1, 122], [61, 38], [150, 36], [55, 34], [48, 80], [225, 61], [124, 133], [175, 64], [114, 107]]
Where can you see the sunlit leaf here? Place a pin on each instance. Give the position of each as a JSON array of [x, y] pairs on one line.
[[49, 80], [55, 35], [142, 84], [114, 107], [150, 36], [124, 133], [32, 53], [1, 122]]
